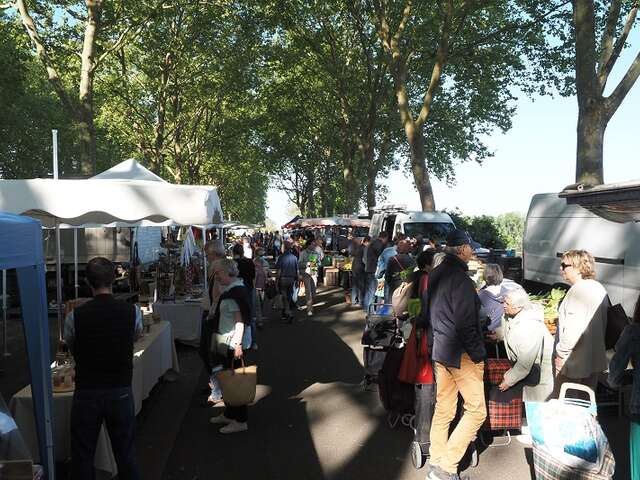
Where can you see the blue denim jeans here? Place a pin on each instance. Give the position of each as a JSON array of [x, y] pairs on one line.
[[92, 407], [370, 286]]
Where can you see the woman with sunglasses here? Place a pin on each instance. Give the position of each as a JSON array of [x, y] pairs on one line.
[[580, 351]]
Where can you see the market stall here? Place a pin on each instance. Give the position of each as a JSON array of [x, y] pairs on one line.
[[102, 202], [127, 195], [154, 356]]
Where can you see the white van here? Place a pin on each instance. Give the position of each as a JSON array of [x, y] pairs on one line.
[[433, 225], [553, 227]]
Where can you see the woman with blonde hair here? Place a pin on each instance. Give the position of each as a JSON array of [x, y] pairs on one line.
[[580, 352]]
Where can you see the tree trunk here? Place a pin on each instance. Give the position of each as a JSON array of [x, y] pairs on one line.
[[372, 173], [589, 152], [591, 119], [86, 128], [419, 169]]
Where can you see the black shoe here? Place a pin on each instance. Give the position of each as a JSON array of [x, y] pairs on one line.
[[260, 325]]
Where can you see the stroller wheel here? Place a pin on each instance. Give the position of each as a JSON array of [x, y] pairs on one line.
[[418, 457]]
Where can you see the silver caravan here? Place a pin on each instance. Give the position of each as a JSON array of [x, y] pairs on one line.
[[553, 227]]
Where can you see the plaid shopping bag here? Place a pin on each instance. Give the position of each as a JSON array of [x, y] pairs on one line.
[[494, 370], [504, 410], [547, 467]]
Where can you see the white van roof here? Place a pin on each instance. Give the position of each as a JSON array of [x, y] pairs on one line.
[[550, 205], [424, 217]]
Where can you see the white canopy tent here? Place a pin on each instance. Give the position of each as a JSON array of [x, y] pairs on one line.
[[110, 203], [127, 195]]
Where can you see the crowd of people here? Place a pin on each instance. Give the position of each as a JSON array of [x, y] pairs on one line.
[[457, 324], [463, 325]]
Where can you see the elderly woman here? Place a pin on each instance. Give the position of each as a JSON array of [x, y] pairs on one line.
[[231, 326], [528, 343], [214, 251], [580, 351], [493, 293]]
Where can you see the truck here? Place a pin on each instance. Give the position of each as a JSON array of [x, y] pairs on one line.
[[553, 226], [397, 220]]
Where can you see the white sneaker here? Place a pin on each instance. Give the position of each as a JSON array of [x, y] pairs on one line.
[[235, 427], [309, 313], [220, 420]]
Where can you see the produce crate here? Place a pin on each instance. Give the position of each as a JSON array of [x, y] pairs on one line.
[[331, 277]]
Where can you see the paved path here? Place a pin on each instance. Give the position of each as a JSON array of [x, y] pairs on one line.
[[311, 419]]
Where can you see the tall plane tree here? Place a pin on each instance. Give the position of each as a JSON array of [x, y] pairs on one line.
[[594, 62], [65, 31], [471, 52]]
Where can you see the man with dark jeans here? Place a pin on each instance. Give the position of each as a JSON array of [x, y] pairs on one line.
[[371, 263], [287, 267], [100, 334]]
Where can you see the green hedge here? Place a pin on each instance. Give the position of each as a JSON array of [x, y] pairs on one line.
[[502, 231]]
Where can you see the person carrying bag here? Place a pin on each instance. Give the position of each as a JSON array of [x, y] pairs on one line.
[[232, 336]]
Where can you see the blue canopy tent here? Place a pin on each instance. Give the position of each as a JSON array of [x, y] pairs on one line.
[[21, 248]]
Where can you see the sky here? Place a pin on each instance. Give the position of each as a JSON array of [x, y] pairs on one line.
[[536, 155]]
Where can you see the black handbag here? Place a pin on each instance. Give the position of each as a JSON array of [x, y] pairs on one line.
[[617, 320]]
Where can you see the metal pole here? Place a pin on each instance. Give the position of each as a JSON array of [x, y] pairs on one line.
[[4, 314], [75, 260], [204, 253], [58, 248]]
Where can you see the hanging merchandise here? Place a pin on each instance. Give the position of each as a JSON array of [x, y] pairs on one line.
[[188, 248]]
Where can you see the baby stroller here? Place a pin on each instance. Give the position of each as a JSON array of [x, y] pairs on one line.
[[380, 333]]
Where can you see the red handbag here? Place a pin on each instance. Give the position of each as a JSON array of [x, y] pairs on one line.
[[416, 365]]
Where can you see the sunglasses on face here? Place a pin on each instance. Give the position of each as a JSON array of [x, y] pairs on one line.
[[565, 265]]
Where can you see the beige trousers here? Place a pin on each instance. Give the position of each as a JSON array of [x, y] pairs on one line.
[[447, 451]]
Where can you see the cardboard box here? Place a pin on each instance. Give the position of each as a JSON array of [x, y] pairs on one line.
[[331, 277]]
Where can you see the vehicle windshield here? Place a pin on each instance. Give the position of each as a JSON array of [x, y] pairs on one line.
[[435, 231]]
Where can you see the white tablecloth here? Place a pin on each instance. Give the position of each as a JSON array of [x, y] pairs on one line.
[[154, 355], [185, 320]]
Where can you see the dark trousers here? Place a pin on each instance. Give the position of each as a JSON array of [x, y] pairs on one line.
[[92, 407], [239, 414], [370, 286], [425, 403], [204, 349], [285, 285]]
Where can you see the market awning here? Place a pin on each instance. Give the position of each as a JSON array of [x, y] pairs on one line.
[[618, 202], [111, 202], [333, 222]]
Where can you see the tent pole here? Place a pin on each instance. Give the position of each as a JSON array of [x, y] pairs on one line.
[[58, 260], [75, 260], [204, 255], [4, 314]]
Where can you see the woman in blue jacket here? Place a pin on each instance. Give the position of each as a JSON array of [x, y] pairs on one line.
[[628, 349]]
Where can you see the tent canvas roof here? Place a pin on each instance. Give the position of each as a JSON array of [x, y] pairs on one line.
[[126, 195], [129, 170]]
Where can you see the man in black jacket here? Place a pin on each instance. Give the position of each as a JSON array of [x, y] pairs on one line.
[[100, 334], [458, 353]]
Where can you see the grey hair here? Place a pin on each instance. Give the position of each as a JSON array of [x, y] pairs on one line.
[[437, 259], [226, 265], [493, 274], [519, 298]]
